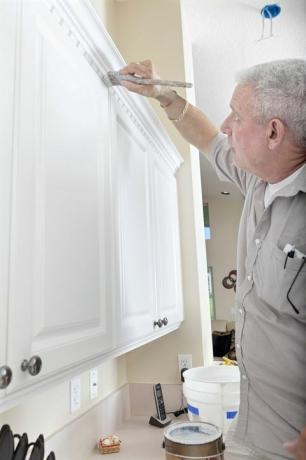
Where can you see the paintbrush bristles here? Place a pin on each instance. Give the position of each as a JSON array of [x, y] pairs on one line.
[[114, 78]]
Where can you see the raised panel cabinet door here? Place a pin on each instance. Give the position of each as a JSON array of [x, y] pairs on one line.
[[59, 302], [7, 47], [167, 244], [133, 242]]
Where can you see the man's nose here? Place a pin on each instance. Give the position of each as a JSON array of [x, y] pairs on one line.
[[225, 127]]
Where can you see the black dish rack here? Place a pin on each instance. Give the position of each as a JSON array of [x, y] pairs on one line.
[[22, 449]]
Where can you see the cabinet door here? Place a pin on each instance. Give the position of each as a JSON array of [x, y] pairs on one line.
[[7, 47], [60, 308], [134, 254], [167, 247]]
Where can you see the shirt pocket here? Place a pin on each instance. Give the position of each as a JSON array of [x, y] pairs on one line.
[[278, 279]]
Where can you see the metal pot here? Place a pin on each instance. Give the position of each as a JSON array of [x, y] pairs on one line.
[[193, 440]]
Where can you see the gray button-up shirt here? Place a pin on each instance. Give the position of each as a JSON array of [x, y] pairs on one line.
[[271, 336]]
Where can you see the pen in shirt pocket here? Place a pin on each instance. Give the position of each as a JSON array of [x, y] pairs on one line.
[[291, 251]]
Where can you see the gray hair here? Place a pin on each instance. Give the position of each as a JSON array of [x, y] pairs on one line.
[[280, 92]]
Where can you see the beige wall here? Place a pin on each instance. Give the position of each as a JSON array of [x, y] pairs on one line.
[[106, 10], [224, 217], [49, 410]]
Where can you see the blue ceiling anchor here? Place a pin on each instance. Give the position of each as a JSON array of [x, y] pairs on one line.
[[269, 12]]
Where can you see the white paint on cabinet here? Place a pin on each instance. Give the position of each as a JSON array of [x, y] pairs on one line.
[[90, 225]]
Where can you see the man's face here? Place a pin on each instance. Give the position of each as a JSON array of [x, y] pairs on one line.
[[246, 136]]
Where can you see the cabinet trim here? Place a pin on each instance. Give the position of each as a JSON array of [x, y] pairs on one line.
[[15, 398]]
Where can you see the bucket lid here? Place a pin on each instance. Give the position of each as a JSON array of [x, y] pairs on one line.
[[192, 433], [213, 374]]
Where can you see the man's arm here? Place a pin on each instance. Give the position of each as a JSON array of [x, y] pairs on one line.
[[194, 126]]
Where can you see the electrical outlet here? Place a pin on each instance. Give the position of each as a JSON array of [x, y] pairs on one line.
[[93, 383], [75, 394], [184, 361]]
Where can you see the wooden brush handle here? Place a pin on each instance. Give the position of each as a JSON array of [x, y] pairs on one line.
[[153, 81]]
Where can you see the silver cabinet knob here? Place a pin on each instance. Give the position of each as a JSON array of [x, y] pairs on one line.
[[33, 366], [158, 323], [6, 375], [165, 321]]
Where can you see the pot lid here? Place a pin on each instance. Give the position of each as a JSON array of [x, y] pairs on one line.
[[192, 433]]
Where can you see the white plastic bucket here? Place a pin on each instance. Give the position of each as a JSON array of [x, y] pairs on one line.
[[213, 394]]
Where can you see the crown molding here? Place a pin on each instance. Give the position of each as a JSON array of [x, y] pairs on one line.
[[86, 30]]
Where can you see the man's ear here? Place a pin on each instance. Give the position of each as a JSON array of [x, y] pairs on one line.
[[275, 133]]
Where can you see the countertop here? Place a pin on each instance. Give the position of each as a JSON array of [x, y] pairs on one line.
[[140, 440]]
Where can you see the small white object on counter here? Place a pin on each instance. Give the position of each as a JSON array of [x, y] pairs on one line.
[[140, 440]]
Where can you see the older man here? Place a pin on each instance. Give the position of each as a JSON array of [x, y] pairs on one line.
[[262, 149]]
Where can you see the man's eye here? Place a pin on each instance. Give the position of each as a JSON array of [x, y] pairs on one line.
[[235, 116]]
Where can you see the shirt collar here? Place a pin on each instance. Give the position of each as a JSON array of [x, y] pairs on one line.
[[294, 187]]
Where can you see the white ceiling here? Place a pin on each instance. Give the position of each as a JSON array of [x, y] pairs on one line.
[[224, 36]]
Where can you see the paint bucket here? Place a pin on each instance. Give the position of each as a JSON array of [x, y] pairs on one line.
[[212, 394], [193, 440]]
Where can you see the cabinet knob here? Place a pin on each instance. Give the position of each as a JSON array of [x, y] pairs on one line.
[[33, 366], [6, 375], [165, 321], [158, 323]]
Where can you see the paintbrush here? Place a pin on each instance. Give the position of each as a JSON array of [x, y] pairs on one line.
[[113, 78]]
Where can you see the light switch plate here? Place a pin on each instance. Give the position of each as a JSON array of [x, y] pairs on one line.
[[93, 377], [75, 394]]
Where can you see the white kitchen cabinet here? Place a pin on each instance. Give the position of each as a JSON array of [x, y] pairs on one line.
[[58, 302], [7, 37], [148, 272], [167, 244], [89, 234], [134, 262]]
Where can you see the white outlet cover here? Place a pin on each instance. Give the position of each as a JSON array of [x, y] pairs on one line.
[[75, 394], [93, 384], [184, 361]]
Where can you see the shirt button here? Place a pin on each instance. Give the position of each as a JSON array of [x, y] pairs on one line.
[[249, 277], [257, 241], [240, 311], [237, 345], [244, 377]]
